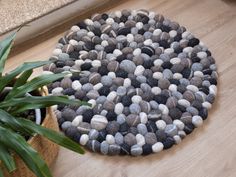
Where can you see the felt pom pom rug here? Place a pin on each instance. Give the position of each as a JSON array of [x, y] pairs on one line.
[[150, 82]]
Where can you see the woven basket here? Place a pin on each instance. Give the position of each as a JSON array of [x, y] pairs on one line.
[[46, 148]]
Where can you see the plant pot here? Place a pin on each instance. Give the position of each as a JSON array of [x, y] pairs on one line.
[[47, 149]]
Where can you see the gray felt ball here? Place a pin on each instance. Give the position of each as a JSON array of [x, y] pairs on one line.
[[127, 66], [150, 138], [136, 150], [171, 130], [135, 108], [130, 139], [106, 80], [84, 127], [104, 147], [142, 129], [133, 120], [68, 114], [163, 83], [113, 149], [119, 139]]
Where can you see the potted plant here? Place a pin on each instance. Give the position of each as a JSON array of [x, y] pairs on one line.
[[26, 146]]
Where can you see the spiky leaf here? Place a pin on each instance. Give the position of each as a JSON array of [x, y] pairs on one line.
[[34, 102], [52, 135], [18, 144], [12, 123], [5, 47], [5, 80], [34, 84], [6, 158], [23, 78]]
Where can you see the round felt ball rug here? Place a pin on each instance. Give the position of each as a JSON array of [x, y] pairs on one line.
[[149, 81]]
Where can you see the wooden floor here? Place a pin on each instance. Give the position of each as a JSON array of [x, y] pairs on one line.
[[210, 151]]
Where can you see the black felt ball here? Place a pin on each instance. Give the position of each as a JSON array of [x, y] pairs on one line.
[[145, 20], [109, 48], [123, 18], [124, 128], [195, 59], [213, 81], [123, 31], [164, 44], [111, 115], [151, 126], [141, 31], [165, 28], [175, 113], [181, 108], [104, 90], [74, 54], [203, 112], [174, 81], [148, 50], [147, 149], [207, 71], [152, 82], [178, 37], [104, 16], [135, 83], [124, 149], [102, 70], [120, 58], [186, 73], [192, 42], [197, 104], [68, 91], [88, 115], [168, 143], [166, 65], [102, 135], [82, 25], [89, 45], [77, 136], [121, 73], [204, 89], [126, 100], [161, 99], [188, 128], [147, 64], [86, 66]]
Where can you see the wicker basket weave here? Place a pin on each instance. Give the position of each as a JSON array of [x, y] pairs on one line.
[[47, 149]]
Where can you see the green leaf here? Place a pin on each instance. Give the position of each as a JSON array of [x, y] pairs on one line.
[[29, 126], [3, 59], [5, 47], [23, 78], [4, 80], [19, 145], [1, 173], [34, 84], [12, 122], [52, 135], [16, 110], [7, 159], [34, 102]]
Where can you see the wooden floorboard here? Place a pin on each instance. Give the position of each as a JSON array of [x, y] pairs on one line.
[[210, 151]]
